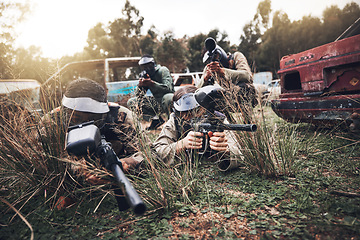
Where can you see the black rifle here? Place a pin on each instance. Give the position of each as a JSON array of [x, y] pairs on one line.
[[213, 122], [144, 74], [210, 46], [86, 138], [216, 53], [211, 98]]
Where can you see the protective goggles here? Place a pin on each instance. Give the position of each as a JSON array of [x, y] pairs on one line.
[[85, 104], [146, 60], [186, 103]]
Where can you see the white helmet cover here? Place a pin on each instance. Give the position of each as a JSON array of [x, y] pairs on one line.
[[186, 102], [145, 60], [85, 104]]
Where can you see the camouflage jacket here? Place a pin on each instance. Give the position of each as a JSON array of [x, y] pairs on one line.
[[239, 73], [163, 84], [165, 144], [121, 133]]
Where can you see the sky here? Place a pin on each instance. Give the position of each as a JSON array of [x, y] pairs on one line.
[[60, 27]]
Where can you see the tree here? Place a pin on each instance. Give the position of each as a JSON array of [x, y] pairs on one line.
[[10, 15], [350, 13], [98, 42], [120, 38], [195, 47], [148, 43], [250, 40], [28, 63], [285, 37], [332, 23], [172, 53], [125, 32], [274, 44], [336, 21]]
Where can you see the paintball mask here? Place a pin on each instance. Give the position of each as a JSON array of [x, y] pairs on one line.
[[186, 107], [83, 109], [210, 97], [215, 53], [147, 65], [186, 103]]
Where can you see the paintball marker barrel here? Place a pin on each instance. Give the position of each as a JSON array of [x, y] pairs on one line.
[[112, 163], [86, 138], [131, 196], [219, 127]]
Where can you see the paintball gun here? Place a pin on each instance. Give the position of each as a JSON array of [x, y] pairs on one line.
[[141, 91], [211, 97], [214, 53], [86, 138], [144, 74]]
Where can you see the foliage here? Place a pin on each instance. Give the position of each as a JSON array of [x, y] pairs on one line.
[[148, 42], [267, 37], [274, 149], [195, 47], [29, 64], [287, 186], [264, 45], [236, 204], [253, 31], [10, 15], [120, 38], [36, 171], [31, 156], [296, 181], [172, 53]]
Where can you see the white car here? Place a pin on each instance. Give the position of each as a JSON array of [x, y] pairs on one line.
[[273, 90], [182, 79], [25, 92]]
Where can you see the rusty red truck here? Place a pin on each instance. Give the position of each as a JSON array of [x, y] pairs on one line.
[[322, 85]]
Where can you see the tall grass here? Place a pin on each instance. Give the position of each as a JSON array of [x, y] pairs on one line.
[[275, 148], [163, 186], [30, 162], [33, 161], [35, 165]]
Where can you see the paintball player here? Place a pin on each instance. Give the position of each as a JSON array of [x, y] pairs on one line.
[[158, 79], [177, 135], [85, 100], [231, 72]]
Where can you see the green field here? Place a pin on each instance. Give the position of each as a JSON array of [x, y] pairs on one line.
[[312, 192]]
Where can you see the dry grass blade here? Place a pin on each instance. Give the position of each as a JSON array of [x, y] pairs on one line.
[[21, 216], [273, 149]]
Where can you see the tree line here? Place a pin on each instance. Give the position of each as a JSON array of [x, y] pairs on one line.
[[266, 38]]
